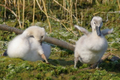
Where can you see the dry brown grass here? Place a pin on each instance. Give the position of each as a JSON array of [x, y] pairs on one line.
[[68, 8]]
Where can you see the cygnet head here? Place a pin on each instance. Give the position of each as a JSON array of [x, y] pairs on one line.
[[96, 24], [37, 32]]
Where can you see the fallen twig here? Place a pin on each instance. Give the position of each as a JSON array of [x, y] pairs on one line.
[[51, 40]]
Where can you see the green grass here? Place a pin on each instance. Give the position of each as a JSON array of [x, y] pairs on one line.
[[59, 68]]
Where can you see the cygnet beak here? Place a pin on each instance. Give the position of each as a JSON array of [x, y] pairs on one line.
[[40, 42], [98, 31], [44, 57]]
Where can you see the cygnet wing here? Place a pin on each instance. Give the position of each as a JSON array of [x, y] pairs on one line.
[[82, 29]]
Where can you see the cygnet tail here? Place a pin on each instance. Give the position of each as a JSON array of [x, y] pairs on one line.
[[82, 29]]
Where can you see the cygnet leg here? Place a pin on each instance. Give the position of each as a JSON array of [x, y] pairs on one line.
[[5, 53], [95, 65], [75, 61]]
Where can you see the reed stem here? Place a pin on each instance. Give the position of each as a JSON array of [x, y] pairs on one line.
[[46, 15], [71, 19], [33, 12], [5, 10], [12, 13], [23, 14]]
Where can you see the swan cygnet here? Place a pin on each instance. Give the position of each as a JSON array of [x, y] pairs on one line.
[[91, 46], [27, 47]]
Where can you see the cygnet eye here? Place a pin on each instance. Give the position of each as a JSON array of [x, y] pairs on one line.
[[31, 36], [94, 22], [41, 37]]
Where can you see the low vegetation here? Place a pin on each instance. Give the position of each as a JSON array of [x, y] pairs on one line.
[[61, 16]]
